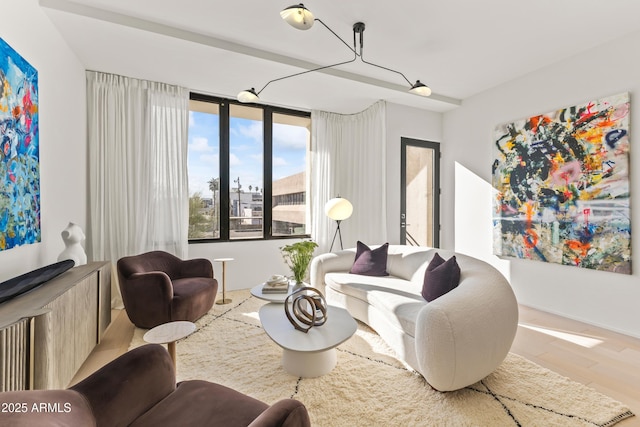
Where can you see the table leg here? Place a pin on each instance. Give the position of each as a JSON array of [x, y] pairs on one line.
[[309, 364], [224, 299], [171, 347]]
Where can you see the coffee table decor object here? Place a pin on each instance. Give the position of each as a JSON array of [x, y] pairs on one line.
[[306, 308], [277, 284], [257, 291]]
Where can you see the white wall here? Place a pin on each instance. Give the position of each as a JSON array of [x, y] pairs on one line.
[[63, 148], [253, 262], [606, 299], [405, 122]]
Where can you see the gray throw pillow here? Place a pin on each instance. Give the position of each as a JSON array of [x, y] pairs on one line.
[[441, 277], [370, 262]]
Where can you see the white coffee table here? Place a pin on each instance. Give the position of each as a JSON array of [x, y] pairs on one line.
[[310, 354]]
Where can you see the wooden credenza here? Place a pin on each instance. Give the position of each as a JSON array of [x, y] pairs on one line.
[[47, 333]]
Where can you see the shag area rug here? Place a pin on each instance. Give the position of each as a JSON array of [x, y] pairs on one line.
[[371, 387]]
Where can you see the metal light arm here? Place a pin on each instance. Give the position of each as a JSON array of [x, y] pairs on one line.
[[307, 71], [358, 28], [352, 49]]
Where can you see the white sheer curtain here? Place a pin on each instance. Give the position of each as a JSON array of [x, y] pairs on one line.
[[348, 160], [138, 166]]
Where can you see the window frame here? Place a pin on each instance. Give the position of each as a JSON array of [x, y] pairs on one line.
[[267, 196]]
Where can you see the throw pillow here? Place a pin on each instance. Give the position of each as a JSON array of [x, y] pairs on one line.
[[370, 262], [441, 277]]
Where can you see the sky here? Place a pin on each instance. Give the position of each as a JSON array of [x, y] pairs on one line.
[[246, 152]]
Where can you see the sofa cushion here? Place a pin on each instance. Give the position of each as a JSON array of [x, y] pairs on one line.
[[440, 277], [370, 262], [192, 297], [399, 299]]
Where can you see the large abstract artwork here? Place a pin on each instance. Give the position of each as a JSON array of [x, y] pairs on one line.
[[561, 186], [19, 151]]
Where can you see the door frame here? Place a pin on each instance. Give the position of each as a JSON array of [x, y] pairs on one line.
[[435, 146]]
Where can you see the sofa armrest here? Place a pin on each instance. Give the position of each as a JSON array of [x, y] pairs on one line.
[[327, 263], [197, 267], [146, 296], [155, 284], [284, 413], [127, 387], [464, 335]]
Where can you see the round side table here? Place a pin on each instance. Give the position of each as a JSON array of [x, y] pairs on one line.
[[169, 333], [224, 299]]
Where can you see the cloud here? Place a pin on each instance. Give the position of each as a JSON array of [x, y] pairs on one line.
[[279, 161], [200, 144], [290, 137], [211, 159], [253, 131], [234, 160]]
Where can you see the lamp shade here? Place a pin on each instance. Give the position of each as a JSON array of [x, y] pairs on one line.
[[248, 95], [338, 209], [298, 16], [420, 88]]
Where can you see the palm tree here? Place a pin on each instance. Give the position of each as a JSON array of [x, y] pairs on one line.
[[214, 186]]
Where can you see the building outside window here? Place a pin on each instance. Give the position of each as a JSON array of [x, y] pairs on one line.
[[247, 168]]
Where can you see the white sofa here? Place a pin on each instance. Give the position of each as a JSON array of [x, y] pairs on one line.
[[453, 341]]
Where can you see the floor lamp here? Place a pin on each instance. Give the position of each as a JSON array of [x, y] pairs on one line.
[[338, 209]]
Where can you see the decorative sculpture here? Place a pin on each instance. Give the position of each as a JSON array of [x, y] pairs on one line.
[[73, 237], [306, 308]]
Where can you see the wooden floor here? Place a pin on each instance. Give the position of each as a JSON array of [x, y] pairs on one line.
[[606, 361]]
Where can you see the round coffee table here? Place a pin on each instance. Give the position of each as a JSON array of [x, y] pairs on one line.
[[310, 354], [256, 291], [169, 333]]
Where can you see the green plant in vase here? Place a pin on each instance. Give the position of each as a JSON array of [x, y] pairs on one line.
[[298, 256]]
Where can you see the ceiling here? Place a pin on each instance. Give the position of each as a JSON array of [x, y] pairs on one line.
[[457, 47]]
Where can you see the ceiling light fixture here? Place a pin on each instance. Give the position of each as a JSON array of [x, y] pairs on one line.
[[298, 16]]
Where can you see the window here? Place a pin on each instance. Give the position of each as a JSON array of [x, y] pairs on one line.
[[247, 168], [203, 163]]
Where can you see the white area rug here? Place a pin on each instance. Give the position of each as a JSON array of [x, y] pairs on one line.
[[370, 387]]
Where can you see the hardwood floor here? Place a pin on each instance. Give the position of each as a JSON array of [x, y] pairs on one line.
[[115, 342], [606, 361]]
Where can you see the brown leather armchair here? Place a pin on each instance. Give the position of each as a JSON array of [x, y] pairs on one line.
[[158, 287], [139, 389]]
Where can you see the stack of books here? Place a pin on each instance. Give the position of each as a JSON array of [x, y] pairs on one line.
[[276, 285]]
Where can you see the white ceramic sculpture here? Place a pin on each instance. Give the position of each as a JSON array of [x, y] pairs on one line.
[[73, 236]]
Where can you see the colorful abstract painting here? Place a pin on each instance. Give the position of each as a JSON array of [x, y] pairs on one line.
[[19, 151], [561, 186]]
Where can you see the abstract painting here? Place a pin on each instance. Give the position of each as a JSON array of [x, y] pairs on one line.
[[19, 151], [561, 186]]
